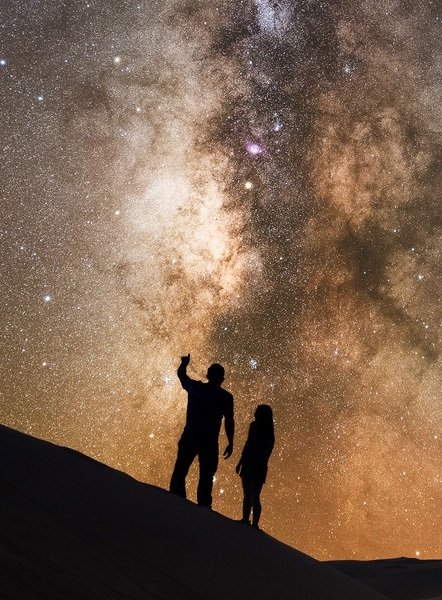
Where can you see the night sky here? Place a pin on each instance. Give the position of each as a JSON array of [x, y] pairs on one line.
[[257, 183]]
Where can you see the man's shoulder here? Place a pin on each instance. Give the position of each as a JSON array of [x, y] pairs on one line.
[[197, 383], [226, 394], [218, 391], [192, 385]]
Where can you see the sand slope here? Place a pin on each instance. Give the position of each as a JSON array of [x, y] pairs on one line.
[[72, 528]]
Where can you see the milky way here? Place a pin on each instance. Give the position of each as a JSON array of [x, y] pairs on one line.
[[257, 183]]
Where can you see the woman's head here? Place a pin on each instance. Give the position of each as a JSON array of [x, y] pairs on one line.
[[264, 414]]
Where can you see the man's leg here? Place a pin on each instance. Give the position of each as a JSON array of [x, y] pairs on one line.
[[208, 459], [187, 451]]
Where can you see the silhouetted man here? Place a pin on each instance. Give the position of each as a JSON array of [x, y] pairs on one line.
[[207, 404]]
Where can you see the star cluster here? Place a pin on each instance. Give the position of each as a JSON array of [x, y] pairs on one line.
[[257, 183]]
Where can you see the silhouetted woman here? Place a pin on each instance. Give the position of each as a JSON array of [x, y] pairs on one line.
[[252, 466]]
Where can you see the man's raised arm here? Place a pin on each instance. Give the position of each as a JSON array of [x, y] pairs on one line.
[[182, 372]]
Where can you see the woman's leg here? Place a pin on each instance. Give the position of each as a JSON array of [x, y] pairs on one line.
[[247, 486], [256, 502]]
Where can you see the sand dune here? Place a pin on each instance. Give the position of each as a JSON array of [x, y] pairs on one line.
[[399, 578], [72, 528]]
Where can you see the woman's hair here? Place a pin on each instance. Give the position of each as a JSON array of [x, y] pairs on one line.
[[264, 420]]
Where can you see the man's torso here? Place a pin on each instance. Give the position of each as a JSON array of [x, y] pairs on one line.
[[207, 404]]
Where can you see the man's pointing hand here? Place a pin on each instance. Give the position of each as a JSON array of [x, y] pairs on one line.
[[185, 360]]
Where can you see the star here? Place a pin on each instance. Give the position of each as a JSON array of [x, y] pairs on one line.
[[254, 149]]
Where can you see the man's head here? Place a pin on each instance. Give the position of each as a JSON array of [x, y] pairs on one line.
[[215, 374]]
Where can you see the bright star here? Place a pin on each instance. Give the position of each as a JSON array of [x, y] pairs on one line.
[[254, 149], [248, 185]]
